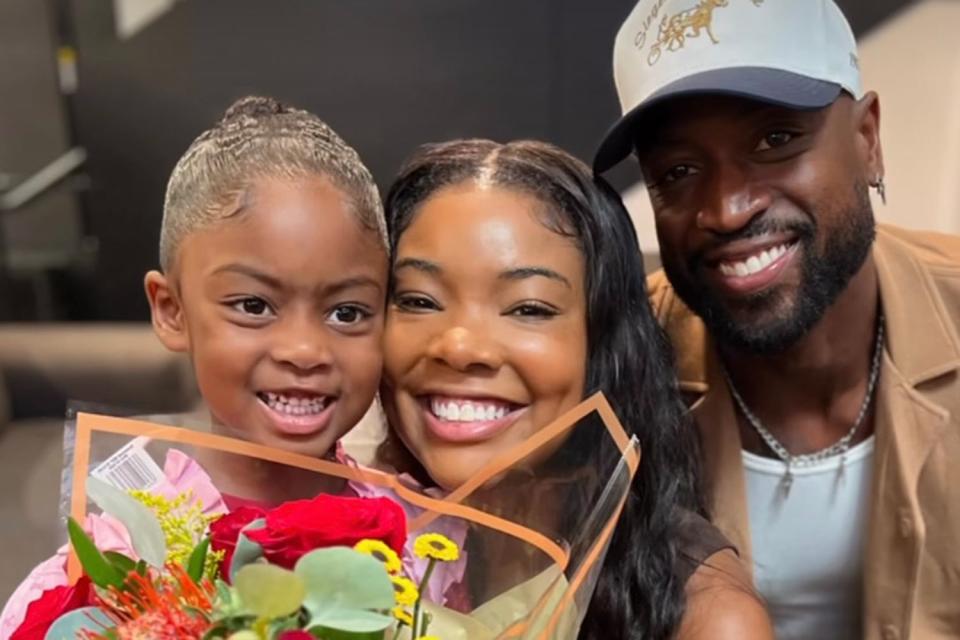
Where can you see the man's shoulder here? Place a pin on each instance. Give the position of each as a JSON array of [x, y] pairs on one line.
[[683, 327], [667, 306], [658, 290], [935, 257], [930, 248]]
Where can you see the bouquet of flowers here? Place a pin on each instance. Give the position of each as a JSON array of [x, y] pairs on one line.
[[286, 573], [191, 548]]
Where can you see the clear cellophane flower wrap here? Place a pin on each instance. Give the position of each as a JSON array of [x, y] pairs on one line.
[[534, 523]]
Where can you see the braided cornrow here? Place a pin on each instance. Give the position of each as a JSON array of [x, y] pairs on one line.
[[259, 137]]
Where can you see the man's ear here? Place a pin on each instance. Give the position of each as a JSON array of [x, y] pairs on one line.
[[166, 312], [867, 114]]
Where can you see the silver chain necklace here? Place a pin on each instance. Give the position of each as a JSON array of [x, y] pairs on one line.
[[838, 448]]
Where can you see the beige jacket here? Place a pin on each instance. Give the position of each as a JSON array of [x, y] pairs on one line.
[[912, 569]]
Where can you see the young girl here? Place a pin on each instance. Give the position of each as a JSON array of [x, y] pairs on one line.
[[273, 257], [517, 289], [274, 274]]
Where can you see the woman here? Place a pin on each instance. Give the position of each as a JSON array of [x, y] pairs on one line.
[[517, 290]]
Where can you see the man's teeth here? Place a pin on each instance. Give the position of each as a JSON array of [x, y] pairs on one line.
[[294, 405], [467, 411], [754, 263]]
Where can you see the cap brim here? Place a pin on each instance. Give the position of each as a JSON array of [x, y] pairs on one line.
[[773, 86]]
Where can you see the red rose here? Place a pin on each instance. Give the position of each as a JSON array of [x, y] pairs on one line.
[[52, 604], [296, 528], [225, 530]]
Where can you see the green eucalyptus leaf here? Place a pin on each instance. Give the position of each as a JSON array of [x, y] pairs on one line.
[[198, 560], [141, 523], [246, 551], [343, 586], [95, 565], [349, 622], [71, 625], [269, 591]]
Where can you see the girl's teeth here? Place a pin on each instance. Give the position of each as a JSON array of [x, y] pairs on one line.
[[467, 411], [294, 405]]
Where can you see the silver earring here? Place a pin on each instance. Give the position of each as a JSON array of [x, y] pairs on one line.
[[881, 189]]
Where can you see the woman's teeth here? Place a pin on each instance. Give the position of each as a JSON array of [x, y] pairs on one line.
[[755, 263], [294, 405], [467, 411]]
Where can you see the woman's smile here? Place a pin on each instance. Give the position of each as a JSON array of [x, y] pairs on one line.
[[468, 419]]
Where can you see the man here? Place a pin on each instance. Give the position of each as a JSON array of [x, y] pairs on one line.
[[820, 352]]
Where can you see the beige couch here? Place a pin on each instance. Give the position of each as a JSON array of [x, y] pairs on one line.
[[42, 367]]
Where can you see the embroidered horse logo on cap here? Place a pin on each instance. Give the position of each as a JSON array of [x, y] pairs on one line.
[[675, 29]]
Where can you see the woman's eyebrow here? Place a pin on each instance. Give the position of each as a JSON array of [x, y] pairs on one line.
[[419, 264], [522, 273]]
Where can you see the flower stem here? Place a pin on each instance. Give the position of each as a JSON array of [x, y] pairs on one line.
[[416, 607]]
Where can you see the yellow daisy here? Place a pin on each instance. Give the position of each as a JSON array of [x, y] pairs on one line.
[[405, 591], [380, 551], [437, 547], [403, 616]]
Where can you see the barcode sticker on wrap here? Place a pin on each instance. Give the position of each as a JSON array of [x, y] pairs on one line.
[[130, 468]]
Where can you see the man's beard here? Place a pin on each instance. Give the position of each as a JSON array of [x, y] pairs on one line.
[[824, 275]]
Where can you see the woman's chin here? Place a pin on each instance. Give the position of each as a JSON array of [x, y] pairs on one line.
[[449, 473]]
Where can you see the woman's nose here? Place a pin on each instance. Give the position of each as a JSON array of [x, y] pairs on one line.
[[464, 349]]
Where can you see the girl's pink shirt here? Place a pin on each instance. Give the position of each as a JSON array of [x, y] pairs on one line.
[[181, 474]]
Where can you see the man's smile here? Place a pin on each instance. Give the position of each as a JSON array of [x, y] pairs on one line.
[[746, 267]]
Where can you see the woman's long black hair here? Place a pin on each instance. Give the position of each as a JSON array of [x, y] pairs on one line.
[[629, 359]]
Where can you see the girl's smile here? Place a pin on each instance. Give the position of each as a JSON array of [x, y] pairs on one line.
[[298, 412]]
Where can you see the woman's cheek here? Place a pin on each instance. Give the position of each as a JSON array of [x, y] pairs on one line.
[[553, 363]]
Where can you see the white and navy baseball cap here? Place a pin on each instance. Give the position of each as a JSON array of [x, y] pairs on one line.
[[794, 53]]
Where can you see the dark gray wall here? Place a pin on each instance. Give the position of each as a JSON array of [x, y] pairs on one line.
[[33, 132], [386, 75]]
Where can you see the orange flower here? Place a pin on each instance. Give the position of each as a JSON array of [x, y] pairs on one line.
[[159, 610]]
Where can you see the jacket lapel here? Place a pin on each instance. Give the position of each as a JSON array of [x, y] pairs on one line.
[[921, 346]]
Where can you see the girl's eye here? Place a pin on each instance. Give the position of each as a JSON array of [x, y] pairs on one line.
[[349, 314], [773, 140], [415, 303], [252, 306], [533, 310]]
